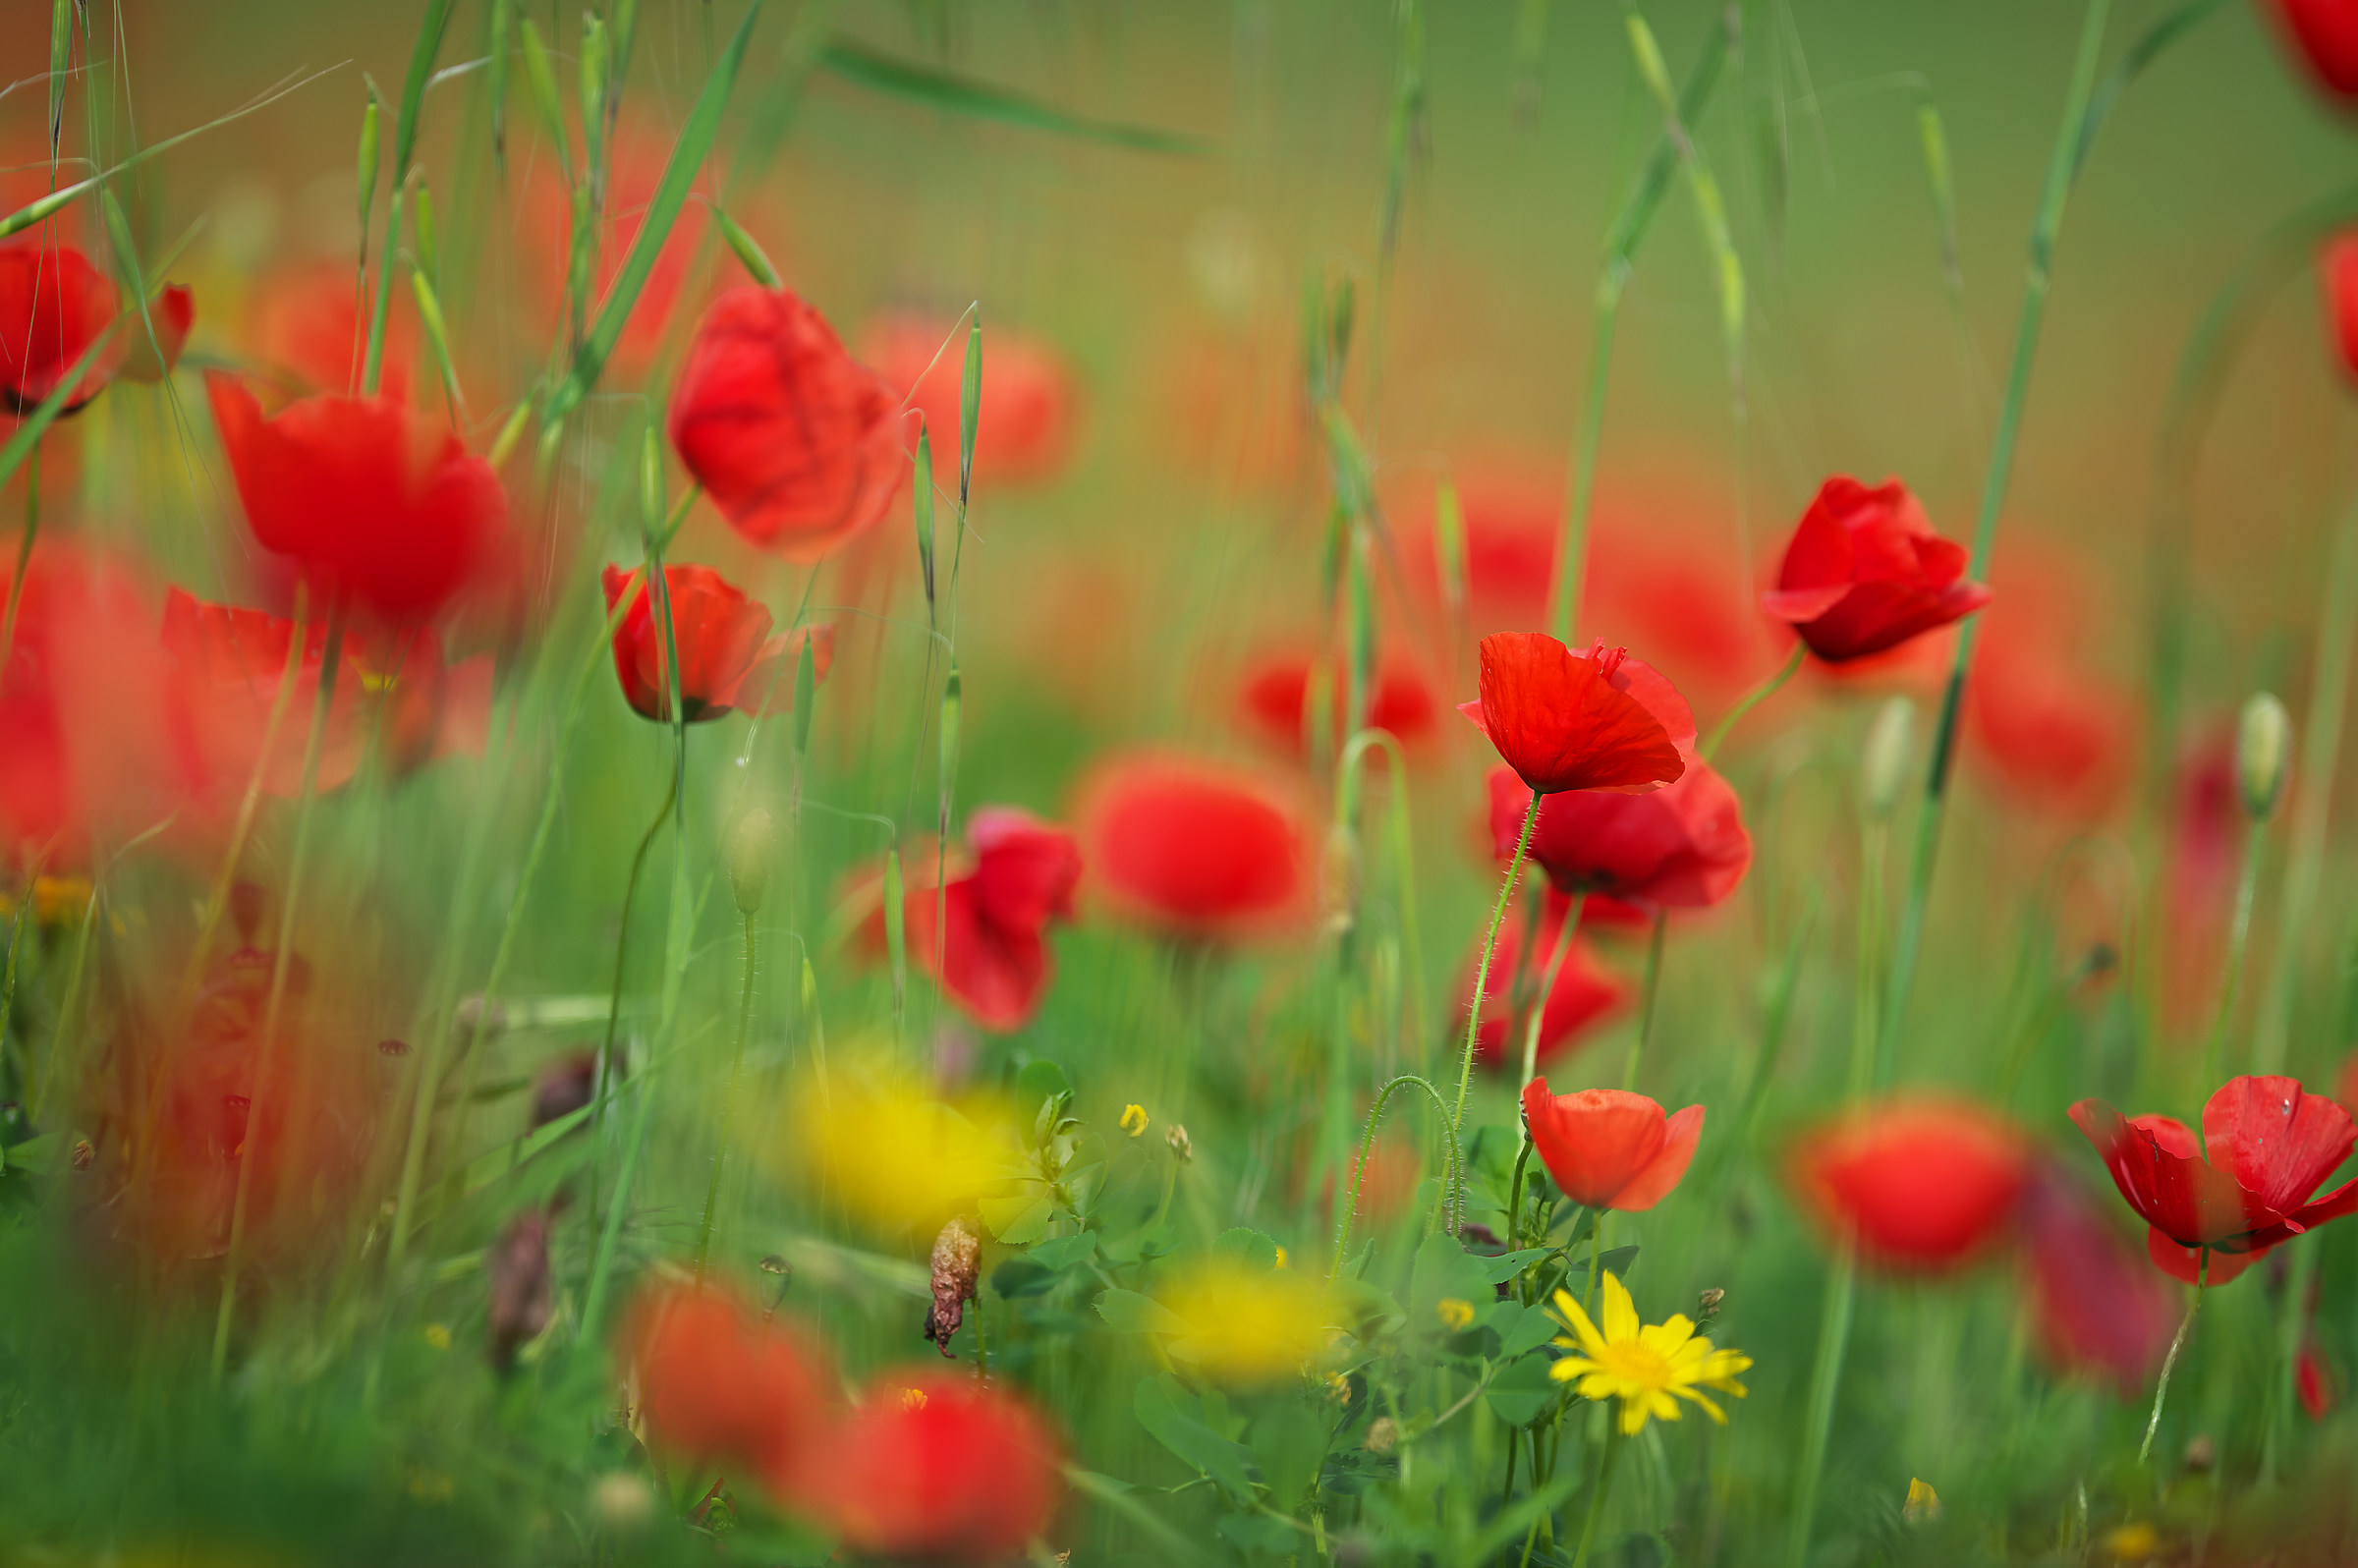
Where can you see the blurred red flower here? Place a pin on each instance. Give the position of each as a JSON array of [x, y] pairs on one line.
[[1681, 847], [636, 155], [172, 314], [2096, 1303], [2326, 31], [53, 306], [2056, 733], [1609, 1148], [797, 443], [1579, 721], [2271, 1146], [728, 660], [2313, 1379], [714, 1383], [1190, 848], [305, 325], [1276, 699], [378, 503], [940, 1469], [2205, 848], [1586, 992], [995, 964], [1924, 1184], [2337, 266], [1865, 571], [1022, 426]]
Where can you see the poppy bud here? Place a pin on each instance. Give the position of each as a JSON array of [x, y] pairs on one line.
[[1707, 1305], [957, 1260], [521, 1300], [2263, 754], [751, 847], [1884, 761]]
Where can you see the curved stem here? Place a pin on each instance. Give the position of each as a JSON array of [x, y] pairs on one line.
[[16, 581], [1753, 698], [2169, 1363], [1489, 945], [1350, 1208], [728, 1109], [622, 940], [2239, 937], [1654, 989]]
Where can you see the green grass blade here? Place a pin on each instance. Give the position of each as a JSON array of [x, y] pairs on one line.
[[503, 24], [61, 55], [412, 88], [941, 89], [970, 413], [748, 249], [920, 505]]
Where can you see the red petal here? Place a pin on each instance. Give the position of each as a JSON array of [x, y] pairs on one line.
[[2277, 1141], [2190, 1201], [2186, 1263], [1594, 1142], [1562, 726], [1663, 1172]]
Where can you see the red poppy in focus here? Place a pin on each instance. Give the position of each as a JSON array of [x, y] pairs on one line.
[[995, 964], [1681, 847], [306, 327], [53, 306], [940, 1469], [1276, 701], [378, 502], [2338, 267], [1609, 1148], [1023, 425], [172, 314], [797, 443], [1586, 992], [1192, 848], [2326, 31], [1599, 720], [2270, 1146], [1923, 1183], [716, 1383], [1865, 571], [2097, 1304], [728, 660]]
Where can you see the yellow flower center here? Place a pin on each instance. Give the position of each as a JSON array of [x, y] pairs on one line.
[[1637, 1364]]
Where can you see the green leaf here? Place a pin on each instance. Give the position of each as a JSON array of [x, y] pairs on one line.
[[1127, 1312], [1020, 1220], [1521, 1392], [1445, 1272], [970, 416], [1258, 1532], [1170, 1416], [1041, 1081], [1248, 1248], [940, 89], [1521, 1330], [412, 88], [1291, 1445], [1507, 1265]]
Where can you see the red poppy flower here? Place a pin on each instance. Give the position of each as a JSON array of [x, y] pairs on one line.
[[728, 660], [2058, 736], [716, 1383], [2338, 267], [940, 1469], [1192, 848], [797, 443], [1579, 721], [1681, 847], [172, 314], [1923, 1183], [1865, 571], [1023, 425], [2271, 1146], [2096, 1302], [2326, 31], [1586, 992], [995, 964], [1609, 1148], [304, 324], [1276, 700], [377, 502], [53, 306]]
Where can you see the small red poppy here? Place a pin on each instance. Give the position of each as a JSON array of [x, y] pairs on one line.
[[1865, 571], [1599, 720], [2326, 31], [995, 964], [1023, 424], [53, 306], [378, 502], [1923, 1183], [797, 443], [1586, 992], [940, 1469], [1276, 702], [716, 1383], [1681, 847], [728, 660], [1190, 848], [2271, 1146], [2313, 1379], [2096, 1302], [1609, 1148]]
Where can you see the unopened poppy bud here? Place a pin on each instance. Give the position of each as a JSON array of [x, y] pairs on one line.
[[522, 1300], [623, 1501], [957, 1260], [751, 847], [1181, 1145], [2263, 754], [1883, 761], [1707, 1305]]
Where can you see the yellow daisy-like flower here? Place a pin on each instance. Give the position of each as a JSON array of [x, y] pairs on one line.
[[1648, 1367], [1455, 1314], [1134, 1119]]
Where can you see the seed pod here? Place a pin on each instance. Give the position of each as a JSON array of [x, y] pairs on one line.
[[1884, 761], [752, 848], [2263, 754], [1181, 1145], [749, 251], [522, 1300], [956, 1260]]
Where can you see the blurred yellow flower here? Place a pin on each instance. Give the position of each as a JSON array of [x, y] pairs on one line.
[[438, 1335], [56, 900], [2136, 1542], [1643, 1366], [889, 1151], [1923, 1503], [1249, 1326], [1455, 1314], [1133, 1120]]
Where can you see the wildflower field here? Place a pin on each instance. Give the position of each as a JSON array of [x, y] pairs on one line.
[[1348, 783]]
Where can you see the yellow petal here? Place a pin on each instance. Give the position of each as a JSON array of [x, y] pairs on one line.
[[1633, 1417], [1710, 1409], [1620, 1312], [1575, 1319]]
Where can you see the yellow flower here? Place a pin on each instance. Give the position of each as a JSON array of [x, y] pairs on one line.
[[438, 1335], [1643, 1366], [1455, 1314], [1249, 1326], [2133, 1542], [1280, 1258], [1133, 1120], [885, 1147], [1923, 1503]]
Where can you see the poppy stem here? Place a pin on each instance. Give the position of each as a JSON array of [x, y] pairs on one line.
[[1489, 946], [1548, 979], [1350, 1206], [622, 940], [1597, 1496], [2239, 938], [1753, 698], [1825, 1380], [249, 1152], [728, 1113], [16, 581], [2169, 1363], [1653, 986]]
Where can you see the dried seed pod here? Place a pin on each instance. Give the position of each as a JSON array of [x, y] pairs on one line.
[[957, 1260], [521, 1299]]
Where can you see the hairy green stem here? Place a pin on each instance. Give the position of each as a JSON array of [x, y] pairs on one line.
[[1597, 1498], [622, 942], [2239, 940], [1350, 1208], [2169, 1363], [1761, 693], [1489, 946]]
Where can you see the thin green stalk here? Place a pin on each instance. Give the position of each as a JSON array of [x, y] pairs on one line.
[[2169, 1363], [2062, 164], [1489, 946], [1350, 1205], [1868, 1041], [1547, 979], [622, 942], [1652, 993], [1753, 698], [1825, 1380], [1597, 1498], [2285, 1393], [281, 962], [16, 581], [2239, 938], [728, 1110]]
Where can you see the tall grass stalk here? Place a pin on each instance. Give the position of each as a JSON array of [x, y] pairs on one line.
[[728, 1109]]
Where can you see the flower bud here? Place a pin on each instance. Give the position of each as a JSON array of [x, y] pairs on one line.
[[1884, 761], [751, 847], [957, 1260], [2263, 754], [1181, 1145], [521, 1298]]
